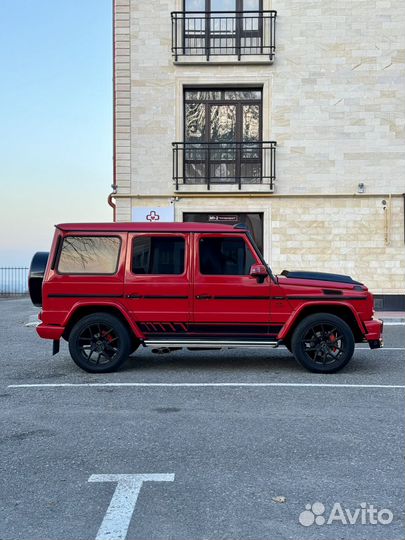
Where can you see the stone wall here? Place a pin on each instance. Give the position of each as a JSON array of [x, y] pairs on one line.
[[334, 100], [338, 97]]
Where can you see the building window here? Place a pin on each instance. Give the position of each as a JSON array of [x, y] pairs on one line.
[[223, 27], [223, 127], [222, 136], [227, 115], [223, 139]]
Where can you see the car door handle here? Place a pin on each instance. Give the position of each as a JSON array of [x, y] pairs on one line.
[[134, 296], [203, 296]]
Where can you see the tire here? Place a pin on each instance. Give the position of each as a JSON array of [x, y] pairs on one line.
[[99, 343], [323, 343], [36, 276]]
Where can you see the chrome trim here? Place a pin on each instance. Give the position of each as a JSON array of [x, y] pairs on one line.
[[206, 343]]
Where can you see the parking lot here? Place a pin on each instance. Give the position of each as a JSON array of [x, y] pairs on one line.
[[240, 442]]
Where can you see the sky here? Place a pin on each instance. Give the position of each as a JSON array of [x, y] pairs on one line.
[[55, 120]]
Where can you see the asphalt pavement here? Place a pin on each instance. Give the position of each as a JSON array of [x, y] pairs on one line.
[[230, 444]]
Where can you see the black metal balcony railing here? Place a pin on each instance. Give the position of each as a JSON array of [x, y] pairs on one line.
[[224, 163], [217, 33], [13, 281]]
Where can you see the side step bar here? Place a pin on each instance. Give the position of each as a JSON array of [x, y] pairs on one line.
[[206, 343]]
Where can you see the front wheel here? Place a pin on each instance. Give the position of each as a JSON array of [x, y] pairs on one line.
[[99, 343], [323, 343]]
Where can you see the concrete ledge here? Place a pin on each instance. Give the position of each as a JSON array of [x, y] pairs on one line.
[[222, 60]]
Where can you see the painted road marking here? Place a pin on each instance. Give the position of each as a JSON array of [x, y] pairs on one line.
[[203, 385], [119, 513]]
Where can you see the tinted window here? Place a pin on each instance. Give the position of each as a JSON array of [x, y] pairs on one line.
[[158, 255], [225, 256], [89, 255]]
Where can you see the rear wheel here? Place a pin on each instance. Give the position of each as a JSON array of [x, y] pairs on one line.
[[99, 343], [323, 343]]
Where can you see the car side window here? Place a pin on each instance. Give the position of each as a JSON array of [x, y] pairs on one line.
[[158, 255], [89, 255], [225, 256]]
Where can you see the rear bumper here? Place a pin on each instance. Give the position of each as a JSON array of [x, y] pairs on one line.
[[374, 333], [50, 332]]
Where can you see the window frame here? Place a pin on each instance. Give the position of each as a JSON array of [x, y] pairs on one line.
[[59, 254], [239, 33], [238, 103], [239, 160], [157, 235]]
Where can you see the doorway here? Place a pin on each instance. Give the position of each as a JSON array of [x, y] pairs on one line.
[[252, 220]]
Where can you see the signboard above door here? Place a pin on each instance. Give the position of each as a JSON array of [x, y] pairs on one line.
[[231, 219]]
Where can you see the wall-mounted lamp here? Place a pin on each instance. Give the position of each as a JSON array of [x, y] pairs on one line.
[[361, 188]]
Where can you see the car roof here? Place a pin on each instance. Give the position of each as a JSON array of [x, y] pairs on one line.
[[147, 227]]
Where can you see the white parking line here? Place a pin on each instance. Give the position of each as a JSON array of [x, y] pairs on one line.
[[203, 385], [119, 513], [382, 349]]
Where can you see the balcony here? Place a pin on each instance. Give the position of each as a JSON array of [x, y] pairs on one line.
[[202, 36], [230, 164]]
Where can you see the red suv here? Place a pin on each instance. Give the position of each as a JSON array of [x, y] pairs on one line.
[[108, 288]]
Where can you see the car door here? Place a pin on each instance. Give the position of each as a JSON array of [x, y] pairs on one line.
[[157, 282], [227, 299]]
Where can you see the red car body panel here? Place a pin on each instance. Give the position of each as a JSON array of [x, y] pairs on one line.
[[374, 329], [192, 303]]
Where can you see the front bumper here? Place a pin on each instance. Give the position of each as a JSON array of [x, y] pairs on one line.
[[374, 333]]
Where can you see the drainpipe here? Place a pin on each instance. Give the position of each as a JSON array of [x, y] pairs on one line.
[[387, 220], [111, 202], [114, 184], [403, 209]]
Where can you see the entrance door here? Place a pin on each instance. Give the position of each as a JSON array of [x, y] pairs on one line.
[[227, 300], [252, 220]]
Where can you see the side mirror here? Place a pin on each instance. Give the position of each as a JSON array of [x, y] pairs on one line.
[[258, 271]]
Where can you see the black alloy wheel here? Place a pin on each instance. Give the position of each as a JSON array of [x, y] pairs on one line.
[[323, 343], [99, 343]]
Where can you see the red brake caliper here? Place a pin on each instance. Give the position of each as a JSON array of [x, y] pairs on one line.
[[107, 335], [332, 338]]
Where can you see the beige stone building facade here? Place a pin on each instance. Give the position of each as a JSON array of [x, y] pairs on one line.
[[287, 115]]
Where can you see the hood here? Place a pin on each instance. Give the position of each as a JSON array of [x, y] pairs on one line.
[[320, 276], [319, 283]]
